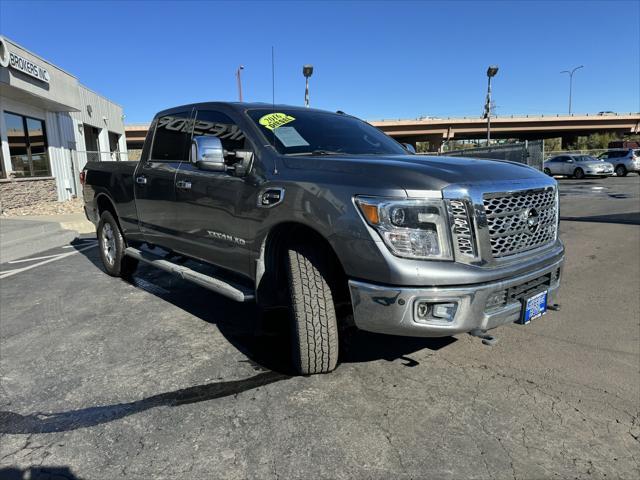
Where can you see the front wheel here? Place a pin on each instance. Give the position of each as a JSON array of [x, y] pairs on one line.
[[112, 245], [314, 327], [578, 173]]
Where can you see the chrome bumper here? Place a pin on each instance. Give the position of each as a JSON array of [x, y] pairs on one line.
[[392, 310]]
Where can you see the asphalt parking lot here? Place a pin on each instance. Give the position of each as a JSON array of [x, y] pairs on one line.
[[104, 379]]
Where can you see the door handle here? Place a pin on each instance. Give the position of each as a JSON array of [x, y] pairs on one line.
[[141, 180], [183, 184]]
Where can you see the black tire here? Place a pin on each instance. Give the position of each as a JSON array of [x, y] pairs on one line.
[[621, 171], [314, 329], [111, 245], [578, 173], [547, 172]]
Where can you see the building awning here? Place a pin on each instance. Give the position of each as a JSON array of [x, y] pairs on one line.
[[20, 95]]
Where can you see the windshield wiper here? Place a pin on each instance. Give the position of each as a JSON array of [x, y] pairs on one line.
[[318, 152]]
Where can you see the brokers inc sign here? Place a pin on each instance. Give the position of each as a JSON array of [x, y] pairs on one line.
[[18, 62]]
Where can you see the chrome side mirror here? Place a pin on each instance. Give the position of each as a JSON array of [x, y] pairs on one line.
[[409, 147], [207, 153]]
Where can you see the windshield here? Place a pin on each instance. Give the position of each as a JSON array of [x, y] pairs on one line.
[[587, 158], [300, 132]]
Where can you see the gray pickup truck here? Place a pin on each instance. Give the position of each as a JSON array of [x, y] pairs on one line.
[[325, 215]]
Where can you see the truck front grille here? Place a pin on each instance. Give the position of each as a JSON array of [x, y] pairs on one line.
[[520, 221]]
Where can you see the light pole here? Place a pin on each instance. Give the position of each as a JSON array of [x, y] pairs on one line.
[[307, 70], [491, 72], [571, 72], [240, 68]]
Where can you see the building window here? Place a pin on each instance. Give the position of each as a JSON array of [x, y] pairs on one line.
[[91, 142], [114, 146], [27, 146]]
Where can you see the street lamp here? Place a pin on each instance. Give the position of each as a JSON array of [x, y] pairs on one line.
[[307, 70], [571, 72], [240, 68], [491, 72]]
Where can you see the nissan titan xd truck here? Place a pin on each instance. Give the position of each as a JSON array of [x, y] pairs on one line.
[[324, 215]]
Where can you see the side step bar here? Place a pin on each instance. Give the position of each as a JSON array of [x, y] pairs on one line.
[[234, 292]]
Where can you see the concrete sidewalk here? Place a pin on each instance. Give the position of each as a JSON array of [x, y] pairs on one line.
[[25, 236]]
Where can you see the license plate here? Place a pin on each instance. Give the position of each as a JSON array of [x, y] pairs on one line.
[[534, 307]]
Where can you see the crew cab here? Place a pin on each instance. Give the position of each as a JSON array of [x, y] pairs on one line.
[[327, 216]]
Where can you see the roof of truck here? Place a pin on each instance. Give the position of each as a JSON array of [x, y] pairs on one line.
[[240, 106]]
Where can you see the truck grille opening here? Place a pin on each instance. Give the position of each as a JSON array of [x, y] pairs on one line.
[[520, 292], [520, 221]]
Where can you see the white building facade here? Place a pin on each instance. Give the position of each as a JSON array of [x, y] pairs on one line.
[[50, 126]]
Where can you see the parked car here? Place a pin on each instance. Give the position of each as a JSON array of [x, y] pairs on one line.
[[577, 166], [624, 160], [325, 215]]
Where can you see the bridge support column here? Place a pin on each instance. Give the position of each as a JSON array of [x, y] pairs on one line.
[[568, 140]]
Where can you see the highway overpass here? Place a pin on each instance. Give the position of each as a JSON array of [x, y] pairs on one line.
[[439, 130]]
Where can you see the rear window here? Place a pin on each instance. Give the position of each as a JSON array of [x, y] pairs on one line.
[[172, 137]]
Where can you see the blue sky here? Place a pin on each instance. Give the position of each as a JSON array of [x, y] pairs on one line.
[[372, 59]]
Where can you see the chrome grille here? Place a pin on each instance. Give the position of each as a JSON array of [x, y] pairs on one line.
[[508, 217], [461, 228]]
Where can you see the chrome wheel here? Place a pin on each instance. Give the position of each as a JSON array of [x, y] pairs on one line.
[[108, 243]]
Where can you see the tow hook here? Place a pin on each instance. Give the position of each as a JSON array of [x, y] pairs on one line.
[[487, 339]]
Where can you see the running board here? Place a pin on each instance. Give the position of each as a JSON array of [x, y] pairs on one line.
[[234, 292]]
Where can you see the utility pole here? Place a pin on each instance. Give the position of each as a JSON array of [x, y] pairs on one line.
[[491, 72], [307, 71], [240, 68], [571, 72]]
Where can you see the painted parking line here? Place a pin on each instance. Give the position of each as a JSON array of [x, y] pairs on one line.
[[53, 258]]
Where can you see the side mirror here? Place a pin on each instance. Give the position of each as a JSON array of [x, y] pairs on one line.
[[409, 147], [207, 153]]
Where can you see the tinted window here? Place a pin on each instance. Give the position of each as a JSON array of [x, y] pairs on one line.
[[217, 124], [303, 132], [172, 137], [617, 154], [27, 141]]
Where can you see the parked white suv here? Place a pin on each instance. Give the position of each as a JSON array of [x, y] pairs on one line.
[[624, 160]]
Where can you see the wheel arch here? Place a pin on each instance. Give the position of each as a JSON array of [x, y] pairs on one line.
[[104, 203], [270, 271]]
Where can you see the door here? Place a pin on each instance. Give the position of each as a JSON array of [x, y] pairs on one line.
[[555, 165], [215, 208], [154, 179], [568, 165]]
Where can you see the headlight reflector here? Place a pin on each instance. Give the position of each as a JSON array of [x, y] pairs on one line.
[[415, 228]]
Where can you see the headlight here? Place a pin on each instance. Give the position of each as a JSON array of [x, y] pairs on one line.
[[409, 228]]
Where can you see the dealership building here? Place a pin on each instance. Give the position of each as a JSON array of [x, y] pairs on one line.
[[50, 126]]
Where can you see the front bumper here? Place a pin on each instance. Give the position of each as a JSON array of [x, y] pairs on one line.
[[392, 310]]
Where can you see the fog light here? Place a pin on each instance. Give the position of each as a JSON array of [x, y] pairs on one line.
[[435, 312], [445, 311]]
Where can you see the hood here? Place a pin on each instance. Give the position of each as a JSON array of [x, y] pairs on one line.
[[416, 172]]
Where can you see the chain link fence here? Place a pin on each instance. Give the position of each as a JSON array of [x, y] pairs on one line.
[[529, 152]]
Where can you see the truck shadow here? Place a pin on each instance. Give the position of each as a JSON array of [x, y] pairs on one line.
[[264, 339], [39, 472]]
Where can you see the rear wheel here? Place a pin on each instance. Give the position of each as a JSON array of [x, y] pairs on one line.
[[578, 173], [547, 171], [621, 171], [313, 316], [112, 245]]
